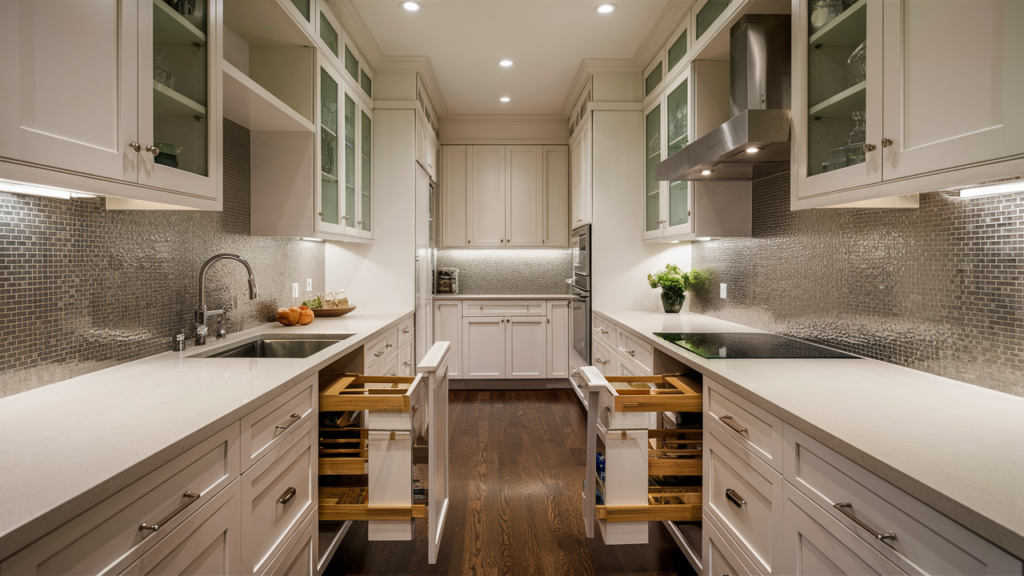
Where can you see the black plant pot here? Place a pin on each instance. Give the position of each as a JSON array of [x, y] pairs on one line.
[[672, 301]]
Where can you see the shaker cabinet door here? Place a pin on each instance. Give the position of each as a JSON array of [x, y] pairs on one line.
[[483, 347], [485, 198]]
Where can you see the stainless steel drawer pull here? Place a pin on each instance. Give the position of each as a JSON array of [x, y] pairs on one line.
[[735, 497], [287, 496], [405, 330], [600, 361], [632, 353], [190, 497], [842, 507], [295, 418], [731, 423]]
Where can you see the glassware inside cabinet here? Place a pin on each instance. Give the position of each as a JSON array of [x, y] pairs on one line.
[[837, 68], [652, 156], [181, 87], [329, 153]]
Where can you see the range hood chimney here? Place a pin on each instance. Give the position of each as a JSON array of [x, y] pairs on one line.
[[759, 101]]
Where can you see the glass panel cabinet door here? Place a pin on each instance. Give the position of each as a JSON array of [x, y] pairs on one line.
[[351, 64], [652, 187], [707, 14], [352, 222], [678, 199], [841, 105], [179, 111], [330, 213], [677, 50], [365, 174], [302, 12]]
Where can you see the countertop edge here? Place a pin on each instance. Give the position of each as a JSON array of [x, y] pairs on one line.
[[973, 520], [18, 537], [503, 297]]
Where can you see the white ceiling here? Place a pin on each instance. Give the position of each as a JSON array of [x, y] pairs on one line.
[[546, 39]]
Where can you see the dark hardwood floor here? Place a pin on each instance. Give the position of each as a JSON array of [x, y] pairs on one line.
[[517, 466]]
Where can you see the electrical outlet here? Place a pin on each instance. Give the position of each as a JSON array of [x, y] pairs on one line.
[[309, 284], [722, 290], [295, 290]]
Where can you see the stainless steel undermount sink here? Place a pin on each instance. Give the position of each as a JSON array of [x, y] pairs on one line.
[[267, 346]]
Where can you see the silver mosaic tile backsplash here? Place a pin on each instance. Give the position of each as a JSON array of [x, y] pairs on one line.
[[938, 289], [83, 289], [509, 271]]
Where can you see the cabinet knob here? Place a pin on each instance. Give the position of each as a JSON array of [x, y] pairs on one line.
[[320, 214], [886, 142], [153, 150], [135, 146], [870, 147], [662, 221]]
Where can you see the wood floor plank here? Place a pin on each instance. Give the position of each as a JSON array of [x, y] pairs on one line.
[[517, 468]]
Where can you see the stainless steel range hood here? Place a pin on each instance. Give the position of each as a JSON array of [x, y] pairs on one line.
[[758, 134]]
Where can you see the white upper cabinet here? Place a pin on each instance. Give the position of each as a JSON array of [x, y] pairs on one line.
[[302, 11], [581, 150], [498, 196], [127, 91], [328, 34], [485, 197], [524, 196], [876, 106], [667, 205]]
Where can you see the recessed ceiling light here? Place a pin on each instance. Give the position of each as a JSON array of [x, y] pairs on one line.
[[753, 150], [606, 8], [411, 6], [705, 172], [506, 99], [505, 63]]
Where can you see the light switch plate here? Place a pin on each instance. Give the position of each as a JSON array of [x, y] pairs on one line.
[[309, 284], [722, 290], [295, 290]]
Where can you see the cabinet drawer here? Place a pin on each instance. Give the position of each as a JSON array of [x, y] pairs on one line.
[[604, 359], [816, 544], [755, 429], [276, 494], [505, 308], [405, 367], [605, 331], [722, 556], [387, 366], [107, 538], [405, 330], [269, 425], [298, 557], [206, 543], [745, 495], [381, 345], [926, 542], [637, 351]]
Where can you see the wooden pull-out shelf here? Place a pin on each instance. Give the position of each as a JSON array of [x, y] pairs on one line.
[[672, 503], [675, 452], [358, 392], [341, 504], [342, 451], [669, 393]]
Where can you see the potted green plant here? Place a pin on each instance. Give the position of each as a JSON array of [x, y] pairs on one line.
[[674, 283]]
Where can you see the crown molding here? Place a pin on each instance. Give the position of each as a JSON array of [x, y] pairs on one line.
[[503, 118], [670, 18]]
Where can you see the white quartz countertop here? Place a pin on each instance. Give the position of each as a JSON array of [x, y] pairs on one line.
[[67, 446], [503, 297], [957, 447]]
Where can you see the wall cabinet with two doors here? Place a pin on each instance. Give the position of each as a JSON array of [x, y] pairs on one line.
[[312, 168], [884, 105], [113, 98], [505, 196]]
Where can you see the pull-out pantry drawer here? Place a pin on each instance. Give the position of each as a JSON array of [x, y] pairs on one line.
[[504, 308], [266, 427], [750, 426], [745, 495], [915, 537], [277, 493], [118, 531]]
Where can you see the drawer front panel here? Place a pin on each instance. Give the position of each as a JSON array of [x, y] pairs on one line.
[[377, 348], [723, 559], [605, 331], [276, 494], [755, 429], [818, 545], [505, 308], [405, 367], [405, 332], [926, 542], [266, 427], [108, 537], [299, 555], [638, 351], [604, 359], [745, 496], [387, 366]]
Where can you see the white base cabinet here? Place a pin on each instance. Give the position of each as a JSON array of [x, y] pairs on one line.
[[448, 328]]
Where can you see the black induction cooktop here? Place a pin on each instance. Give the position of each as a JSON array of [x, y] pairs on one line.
[[748, 345]]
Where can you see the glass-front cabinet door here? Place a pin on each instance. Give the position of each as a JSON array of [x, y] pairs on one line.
[[676, 205], [840, 95], [302, 12], [653, 192], [179, 105], [331, 214], [365, 172]]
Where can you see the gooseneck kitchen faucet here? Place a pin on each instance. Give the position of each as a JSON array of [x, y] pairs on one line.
[[202, 314]]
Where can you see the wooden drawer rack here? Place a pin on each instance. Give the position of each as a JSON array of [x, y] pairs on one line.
[[344, 451], [669, 393]]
